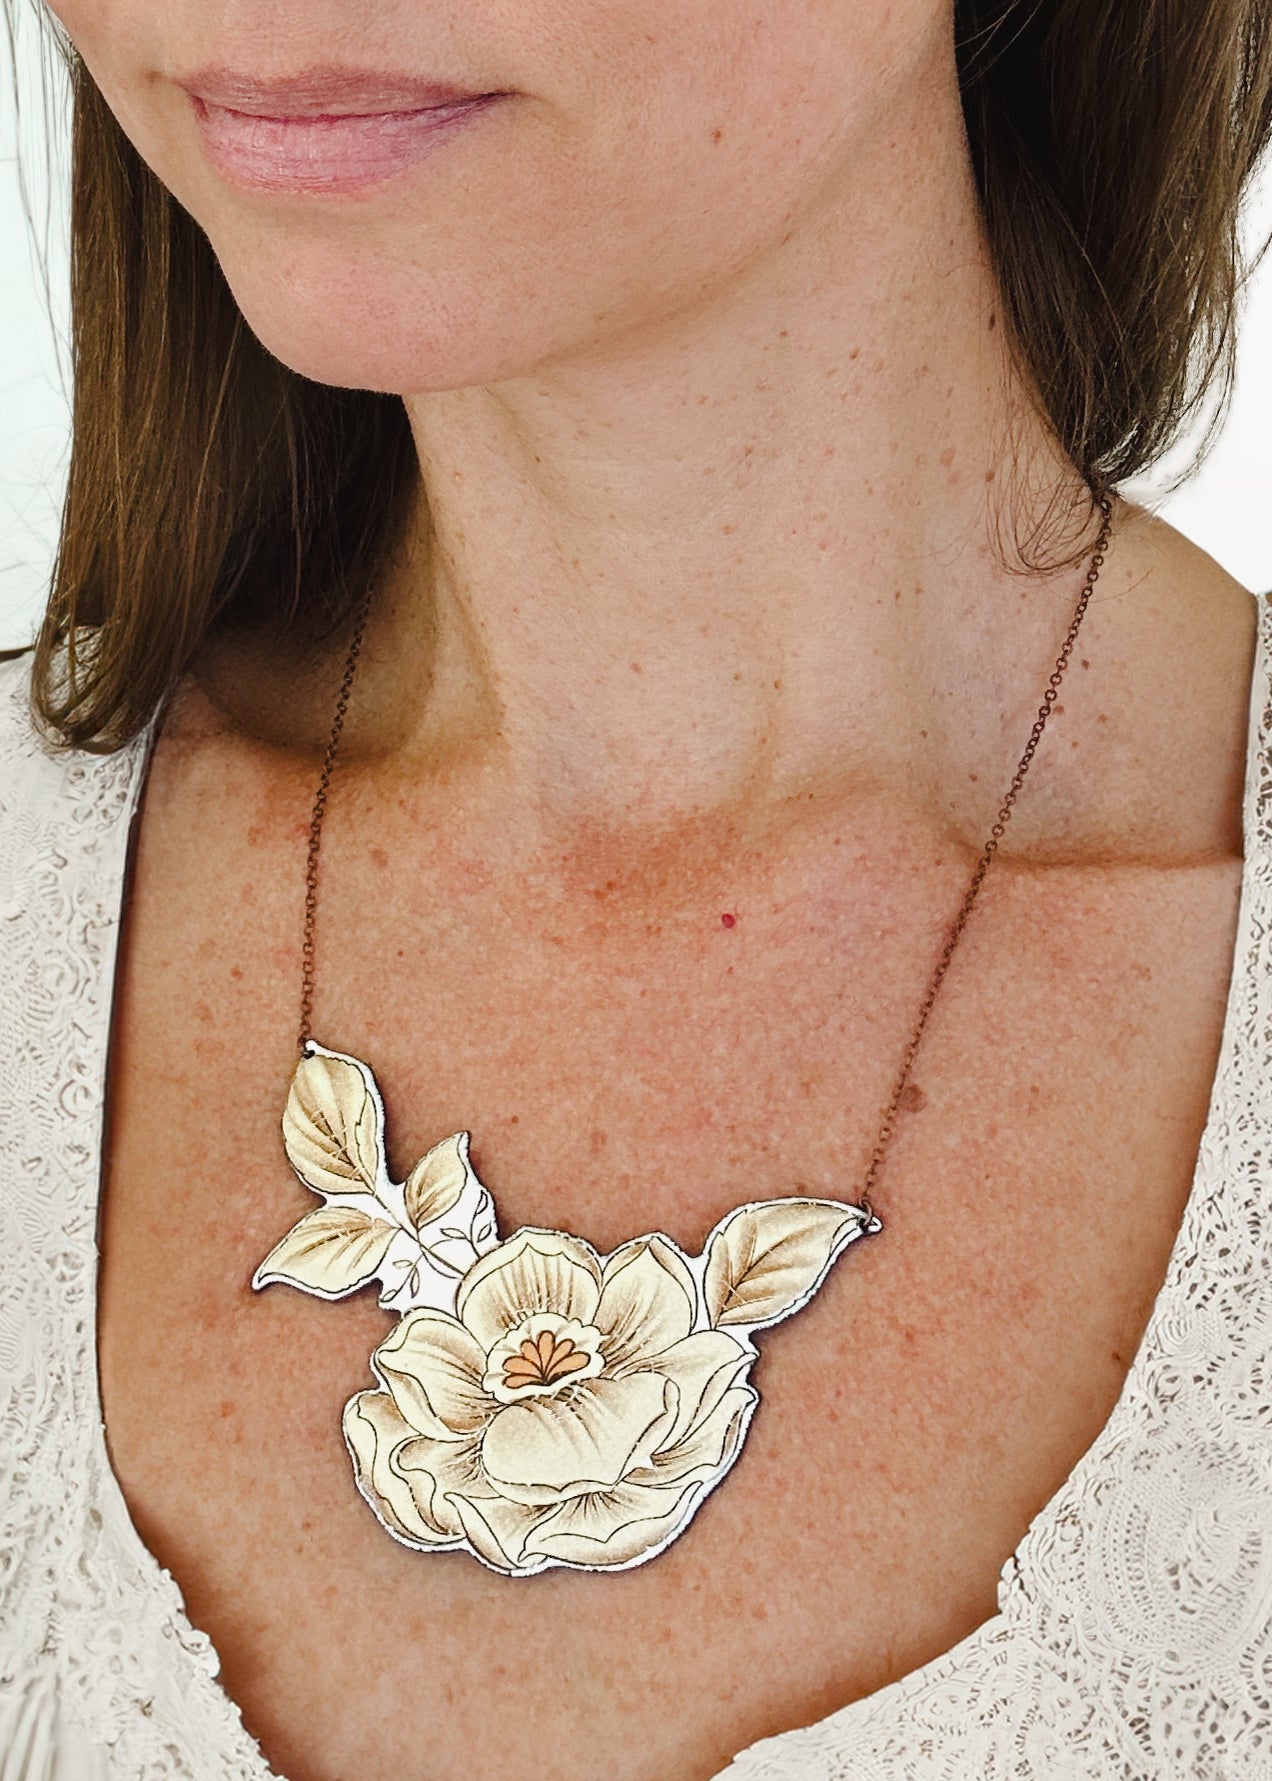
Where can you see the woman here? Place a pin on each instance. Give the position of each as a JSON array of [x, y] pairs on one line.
[[710, 413]]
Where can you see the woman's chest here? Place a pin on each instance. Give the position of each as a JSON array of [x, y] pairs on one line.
[[914, 1417]]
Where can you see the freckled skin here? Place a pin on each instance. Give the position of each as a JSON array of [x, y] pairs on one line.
[[685, 333], [1063, 1060]]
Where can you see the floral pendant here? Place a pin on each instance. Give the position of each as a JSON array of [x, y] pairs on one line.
[[538, 1404]]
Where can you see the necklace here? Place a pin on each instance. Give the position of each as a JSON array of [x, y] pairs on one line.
[[539, 1404]]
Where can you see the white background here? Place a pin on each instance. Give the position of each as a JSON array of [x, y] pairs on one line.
[[1223, 506]]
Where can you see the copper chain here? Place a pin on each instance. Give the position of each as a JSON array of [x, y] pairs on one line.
[[952, 939], [315, 825], [991, 845]]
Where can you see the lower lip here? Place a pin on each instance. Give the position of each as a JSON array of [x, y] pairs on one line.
[[327, 154]]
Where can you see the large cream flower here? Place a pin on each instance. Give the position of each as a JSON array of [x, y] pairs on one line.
[[570, 1412], [539, 1405]]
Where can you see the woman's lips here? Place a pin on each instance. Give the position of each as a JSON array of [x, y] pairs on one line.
[[305, 149]]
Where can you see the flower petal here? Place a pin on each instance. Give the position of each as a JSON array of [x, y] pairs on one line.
[[438, 1472], [621, 1526], [709, 1449], [702, 1368], [433, 1368], [533, 1271], [373, 1431], [579, 1440], [496, 1528], [648, 1300]]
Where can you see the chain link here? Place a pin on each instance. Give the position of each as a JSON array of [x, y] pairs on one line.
[[990, 849], [315, 826], [1103, 500]]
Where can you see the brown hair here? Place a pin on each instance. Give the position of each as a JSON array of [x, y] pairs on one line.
[[1110, 140]]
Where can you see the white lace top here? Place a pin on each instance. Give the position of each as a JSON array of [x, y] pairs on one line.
[[1133, 1637]]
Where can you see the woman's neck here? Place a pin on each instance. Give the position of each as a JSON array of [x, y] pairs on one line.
[[725, 555], [744, 550]]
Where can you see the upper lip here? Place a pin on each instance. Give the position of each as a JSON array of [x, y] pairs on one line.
[[320, 92]]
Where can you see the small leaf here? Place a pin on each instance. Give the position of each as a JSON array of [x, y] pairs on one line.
[[437, 1180], [330, 1252], [766, 1261], [483, 1224], [331, 1126]]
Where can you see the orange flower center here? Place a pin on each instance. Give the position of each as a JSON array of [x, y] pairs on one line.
[[543, 1360]]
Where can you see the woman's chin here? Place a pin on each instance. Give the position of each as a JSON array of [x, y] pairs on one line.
[[333, 335]]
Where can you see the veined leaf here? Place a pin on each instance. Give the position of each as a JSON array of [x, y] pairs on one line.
[[330, 1252], [437, 1180], [331, 1128], [766, 1261]]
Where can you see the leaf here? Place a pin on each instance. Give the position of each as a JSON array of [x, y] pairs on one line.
[[330, 1252], [331, 1127], [766, 1261], [437, 1180]]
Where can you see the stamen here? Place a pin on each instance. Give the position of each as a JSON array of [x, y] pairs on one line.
[[543, 1360]]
